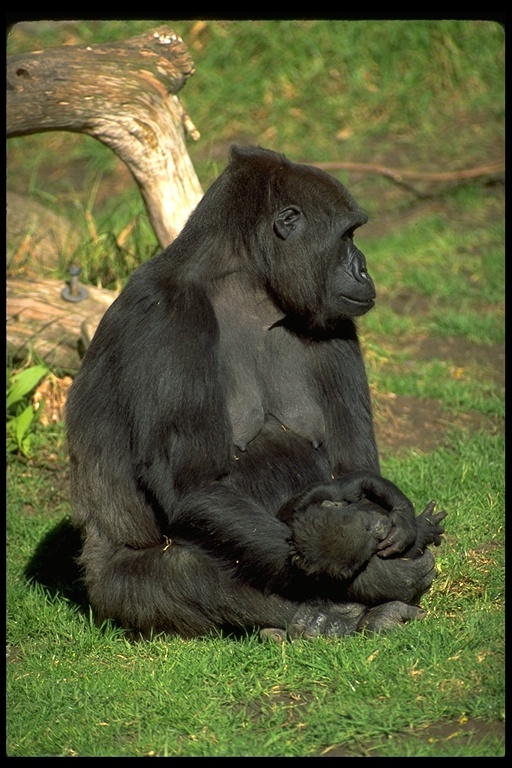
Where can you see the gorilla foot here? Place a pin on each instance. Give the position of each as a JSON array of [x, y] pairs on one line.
[[330, 620], [274, 634], [338, 620], [429, 530]]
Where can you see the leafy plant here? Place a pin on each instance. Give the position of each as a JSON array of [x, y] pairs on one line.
[[21, 413]]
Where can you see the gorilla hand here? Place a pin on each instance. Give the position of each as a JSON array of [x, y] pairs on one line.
[[428, 530]]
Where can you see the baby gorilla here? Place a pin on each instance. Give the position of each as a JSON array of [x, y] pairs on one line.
[[338, 536]]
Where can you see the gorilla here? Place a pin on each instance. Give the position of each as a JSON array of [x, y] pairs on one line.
[[224, 468]]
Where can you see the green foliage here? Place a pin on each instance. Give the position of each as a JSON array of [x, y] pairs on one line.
[[21, 414]]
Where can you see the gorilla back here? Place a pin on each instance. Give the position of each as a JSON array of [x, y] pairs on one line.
[[223, 398]]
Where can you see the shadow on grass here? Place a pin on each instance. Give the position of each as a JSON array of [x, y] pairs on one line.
[[54, 565]]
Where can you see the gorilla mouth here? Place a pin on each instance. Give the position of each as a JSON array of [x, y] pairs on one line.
[[367, 302], [359, 306]]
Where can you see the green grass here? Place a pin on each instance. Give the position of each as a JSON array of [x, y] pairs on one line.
[[421, 95], [437, 380], [74, 689]]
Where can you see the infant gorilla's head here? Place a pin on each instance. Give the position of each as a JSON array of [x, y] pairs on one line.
[[337, 538]]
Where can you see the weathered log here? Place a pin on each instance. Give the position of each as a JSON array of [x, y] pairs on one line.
[[41, 323], [124, 95]]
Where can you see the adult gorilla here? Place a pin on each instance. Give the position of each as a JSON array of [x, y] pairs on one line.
[[223, 460]]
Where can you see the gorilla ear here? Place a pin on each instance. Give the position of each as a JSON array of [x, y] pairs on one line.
[[286, 220]]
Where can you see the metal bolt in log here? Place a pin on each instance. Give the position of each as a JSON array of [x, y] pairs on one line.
[[73, 290]]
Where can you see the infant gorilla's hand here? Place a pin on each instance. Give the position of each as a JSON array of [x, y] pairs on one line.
[[337, 538]]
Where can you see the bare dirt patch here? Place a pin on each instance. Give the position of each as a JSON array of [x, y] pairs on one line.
[[490, 359], [457, 734], [405, 423], [411, 423]]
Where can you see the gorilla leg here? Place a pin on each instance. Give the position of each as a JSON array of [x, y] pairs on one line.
[[399, 578], [182, 590], [172, 588]]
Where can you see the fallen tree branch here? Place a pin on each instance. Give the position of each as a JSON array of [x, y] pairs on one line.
[[468, 173], [401, 177], [124, 95]]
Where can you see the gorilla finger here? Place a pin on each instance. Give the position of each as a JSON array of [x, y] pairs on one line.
[[431, 518], [429, 508], [389, 615], [392, 545]]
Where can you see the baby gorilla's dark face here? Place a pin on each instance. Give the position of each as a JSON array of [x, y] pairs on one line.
[[337, 537]]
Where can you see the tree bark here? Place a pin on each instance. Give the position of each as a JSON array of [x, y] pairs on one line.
[[124, 95]]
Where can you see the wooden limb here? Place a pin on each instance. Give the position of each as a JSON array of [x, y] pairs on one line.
[[124, 95], [400, 177]]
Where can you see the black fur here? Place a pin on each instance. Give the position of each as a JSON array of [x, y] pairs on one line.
[[224, 466]]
